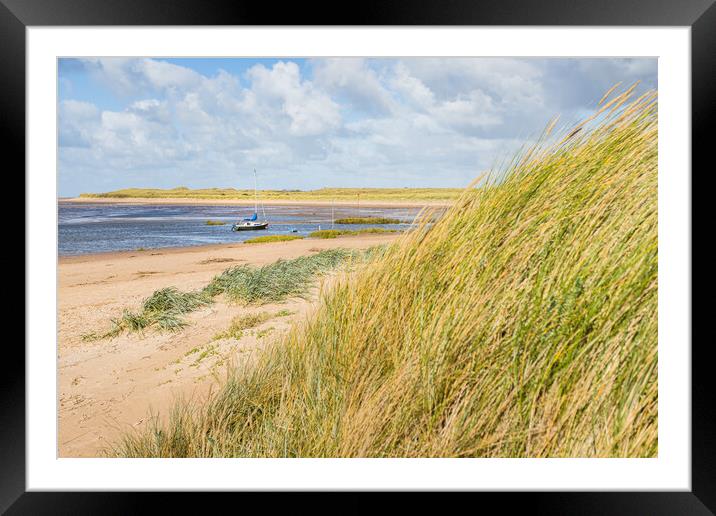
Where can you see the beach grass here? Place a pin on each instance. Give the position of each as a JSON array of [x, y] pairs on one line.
[[335, 233], [351, 195], [165, 309], [367, 220], [272, 238], [276, 281], [522, 323]]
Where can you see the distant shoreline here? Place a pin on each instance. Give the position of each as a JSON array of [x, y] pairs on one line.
[[240, 202]]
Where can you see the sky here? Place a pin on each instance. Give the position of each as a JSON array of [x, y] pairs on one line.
[[313, 123]]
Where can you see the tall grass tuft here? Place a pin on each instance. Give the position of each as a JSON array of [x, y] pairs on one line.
[[523, 323], [165, 308], [276, 281]]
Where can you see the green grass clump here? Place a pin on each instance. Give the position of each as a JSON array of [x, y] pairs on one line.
[[241, 323], [163, 310], [335, 233], [272, 238], [326, 233], [372, 230], [269, 283], [367, 220], [522, 323], [215, 223], [276, 281]]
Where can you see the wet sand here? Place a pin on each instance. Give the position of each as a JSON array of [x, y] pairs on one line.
[[109, 386]]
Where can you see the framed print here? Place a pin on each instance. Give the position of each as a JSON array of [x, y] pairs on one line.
[[429, 249]]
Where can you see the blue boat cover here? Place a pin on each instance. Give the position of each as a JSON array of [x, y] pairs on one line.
[[252, 218]]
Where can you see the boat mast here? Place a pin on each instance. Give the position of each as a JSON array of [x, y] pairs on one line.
[[256, 195]]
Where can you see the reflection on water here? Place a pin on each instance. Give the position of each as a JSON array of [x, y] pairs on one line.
[[96, 228]]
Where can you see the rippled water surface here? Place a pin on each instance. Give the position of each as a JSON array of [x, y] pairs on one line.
[[96, 228]]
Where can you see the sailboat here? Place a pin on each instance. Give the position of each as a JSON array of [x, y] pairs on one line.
[[252, 223]]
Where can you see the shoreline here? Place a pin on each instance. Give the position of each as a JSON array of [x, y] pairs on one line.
[[153, 251], [241, 202], [198, 249]]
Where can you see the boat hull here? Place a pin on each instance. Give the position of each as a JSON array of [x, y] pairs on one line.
[[249, 227]]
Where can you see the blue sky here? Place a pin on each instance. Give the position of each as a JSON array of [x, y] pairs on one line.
[[312, 123]]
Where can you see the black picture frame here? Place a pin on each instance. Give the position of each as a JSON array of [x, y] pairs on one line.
[[700, 15]]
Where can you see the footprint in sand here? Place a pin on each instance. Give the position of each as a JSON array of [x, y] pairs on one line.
[[218, 260], [142, 274]]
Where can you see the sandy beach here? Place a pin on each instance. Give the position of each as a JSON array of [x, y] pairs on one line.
[[109, 386], [250, 202]]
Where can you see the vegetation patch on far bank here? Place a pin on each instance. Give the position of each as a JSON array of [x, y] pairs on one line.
[[352, 195], [215, 223], [334, 233], [272, 238], [367, 220], [523, 323]]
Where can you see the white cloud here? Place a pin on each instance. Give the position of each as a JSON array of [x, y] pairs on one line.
[[128, 76], [413, 89], [476, 109], [79, 110], [334, 122], [352, 78], [311, 111], [77, 121], [152, 109]]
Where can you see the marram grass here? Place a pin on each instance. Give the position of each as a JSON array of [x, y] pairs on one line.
[[278, 280], [523, 323], [165, 309]]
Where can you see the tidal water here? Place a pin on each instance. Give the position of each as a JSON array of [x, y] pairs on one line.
[[96, 228]]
